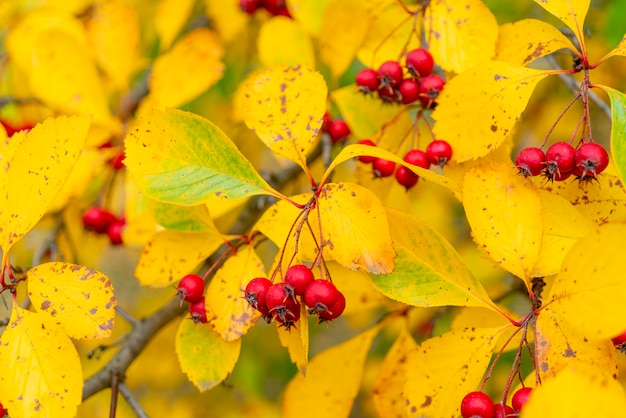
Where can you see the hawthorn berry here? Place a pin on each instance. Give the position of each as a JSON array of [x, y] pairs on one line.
[[335, 310], [249, 6], [390, 74], [338, 130], [530, 161], [255, 294], [406, 177], [276, 7], [281, 303], [520, 398], [503, 411], [298, 277], [191, 288], [290, 317], [430, 87], [367, 80], [417, 157], [198, 311], [560, 158], [383, 168], [591, 159], [114, 231], [439, 152], [366, 158], [478, 405], [320, 295], [97, 219], [409, 90], [3, 410], [117, 162], [388, 94], [619, 340], [419, 62]]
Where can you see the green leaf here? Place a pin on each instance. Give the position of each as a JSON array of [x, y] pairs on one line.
[[183, 218], [179, 157], [618, 129]]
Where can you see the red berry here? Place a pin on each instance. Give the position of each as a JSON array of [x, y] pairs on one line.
[[191, 288], [618, 340], [520, 398], [98, 219], [198, 311], [419, 62], [281, 303], [409, 90], [478, 405], [320, 295], [503, 411], [367, 80], [406, 177], [338, 130], [249, 6], [276, 7], [289, 318], [255, 294], [3, 411], [389, 94], [383, 168], [114, 231], [530, 161], [117, 162], [430, 87], [439, 152], [591, 159], [334, 311], [298, 277], [366, 158], [390, 73], [560, 157], [417, 157]]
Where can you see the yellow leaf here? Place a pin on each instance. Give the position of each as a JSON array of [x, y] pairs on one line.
[[338, 370], [504, 212], [114, 33], [461, 33], [620, 49], [560, 346], [522, 42], [41, 371], [570, 12], [592, 275], [444, 369], [188, 69], [355, 228], [392, 377], [282, 41], [285, 107], [563, 226], [203, 355], [183, 218], [487, 318], [357, 288], [227, 16], [169, 255], [340, 41], [309, 14], [171, 16], [490, 98], [296, 340], [227, 310], [569, 394], [36, 173]]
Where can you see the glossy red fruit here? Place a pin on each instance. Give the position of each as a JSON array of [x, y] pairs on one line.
[[520, 398], [389, 94], [530, 161], [338, 130], [560, 157], [367, 80], [591, 159], [503, 411], [366, 158], [276, 7], [114, 231], [478, 405], [417, 157], [117, 162], [198, 311], [619, 340], [3, 411], [383, 168], [406, 177], [255, 294], [97, 219], [320, 295], [249, 6], [390, 73], [409, 90], [419, 62], [430, 87], [334, 311], [282, 305], [439, 152], [299, 277], [12, 130], [191, 288]]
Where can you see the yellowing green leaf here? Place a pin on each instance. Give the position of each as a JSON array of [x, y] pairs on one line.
[[444, 369], [285, 107], [570, 12], [227, 310], [78, 298], [189, 68], [171, 16], [355, 228], [559, 346], [338, 370], [428, 270], [227, 17], [568, 395], [522, 42], [203, 355], [41, 371], [36, 173], [461, 34], [618, 129], [183, 218], [504, 212], [283, 41], [169, 255], [309, 14], [490, 98], [181, 158], [620, 49], [592, 276]]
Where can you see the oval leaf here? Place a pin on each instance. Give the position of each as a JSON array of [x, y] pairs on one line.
[[170, 17], [179, 157], [41, 371], [618, 129], [203, 355], [570, 12], [283, 41]]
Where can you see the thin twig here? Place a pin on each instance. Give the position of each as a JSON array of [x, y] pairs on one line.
[[132, 401], [115, 385]]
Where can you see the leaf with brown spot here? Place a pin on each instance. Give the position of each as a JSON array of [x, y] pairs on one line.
[[570, 12], [78, 298]]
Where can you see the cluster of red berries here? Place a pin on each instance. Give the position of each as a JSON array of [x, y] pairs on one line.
[[102, 221], [191, 289], [562, 160], [391, 85], [337, 129], [480, 405], [437, 153], [274, 7], [281, 302]]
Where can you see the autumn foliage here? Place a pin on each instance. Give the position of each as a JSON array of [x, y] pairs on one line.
[[312, 208]]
